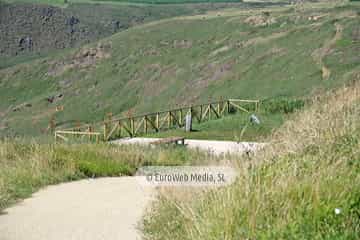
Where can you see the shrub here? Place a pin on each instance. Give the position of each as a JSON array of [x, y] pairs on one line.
[[282, 105]]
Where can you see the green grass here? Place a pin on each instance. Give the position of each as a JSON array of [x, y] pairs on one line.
[[8, 62], [28, 166], [173, 1], [237, 125], [290, 190], [151, 70]]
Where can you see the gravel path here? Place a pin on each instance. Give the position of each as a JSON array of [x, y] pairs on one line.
[[215, 147], [105, 208]]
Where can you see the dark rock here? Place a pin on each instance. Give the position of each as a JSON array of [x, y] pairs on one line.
[[47, 13], [72, 21], [53, 99], [116, 25], [50, 99], [25, 43]]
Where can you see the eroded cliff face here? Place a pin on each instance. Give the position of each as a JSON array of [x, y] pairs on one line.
[[32, 28]]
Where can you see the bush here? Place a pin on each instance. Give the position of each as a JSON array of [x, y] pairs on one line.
[[276, 105], [282, 105]]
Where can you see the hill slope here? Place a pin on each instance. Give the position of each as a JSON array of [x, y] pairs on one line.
[[234, 53], [31, 30]]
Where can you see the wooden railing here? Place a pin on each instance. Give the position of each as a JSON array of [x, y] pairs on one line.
[[158, 121], [60, 134]]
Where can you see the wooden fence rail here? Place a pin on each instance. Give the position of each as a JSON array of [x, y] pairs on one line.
[[158, 121], [59, 134]]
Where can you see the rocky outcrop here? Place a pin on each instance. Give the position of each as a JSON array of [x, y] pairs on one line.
[[35, 29]]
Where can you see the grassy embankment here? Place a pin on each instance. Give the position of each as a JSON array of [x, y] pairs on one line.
[[290, 190], [26, 167]]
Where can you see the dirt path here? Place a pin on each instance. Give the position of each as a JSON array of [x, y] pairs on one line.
[[215, 147], [95, 209], [319, 54], [106, 209]]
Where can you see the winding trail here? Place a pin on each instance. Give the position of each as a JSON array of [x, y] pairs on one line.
[[94, 209], [101, 209], [320, 53]]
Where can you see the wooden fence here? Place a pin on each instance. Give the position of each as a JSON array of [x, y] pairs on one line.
[[158, 121], [60, 134]]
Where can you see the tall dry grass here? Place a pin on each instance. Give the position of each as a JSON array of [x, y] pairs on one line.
[[26, 167], [289, 190]]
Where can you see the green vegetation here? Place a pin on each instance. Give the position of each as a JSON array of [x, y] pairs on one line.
[[64, 3], [26, 167], [304, 185], [229, 54], [238, 127], [172, 1], [234, 128]]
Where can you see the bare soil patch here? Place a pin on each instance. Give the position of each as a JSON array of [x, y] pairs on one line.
[[319, 54], [259, 21], [261, 40], [83, 59]]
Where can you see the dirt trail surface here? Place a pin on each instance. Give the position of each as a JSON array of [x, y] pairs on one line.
[[215, 147], [320, 54], [106, 208]]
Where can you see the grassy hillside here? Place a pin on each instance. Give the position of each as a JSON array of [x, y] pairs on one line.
[[139, 2], [31, 30], [304, 185], [258, 53], [172, 1]]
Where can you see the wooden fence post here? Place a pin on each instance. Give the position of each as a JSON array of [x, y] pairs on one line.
[[180, 117], [119, 130], [169, 119], [145, 124], [132, 123], [89, 130], [105, 131], [157, 122], [209, 117]]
